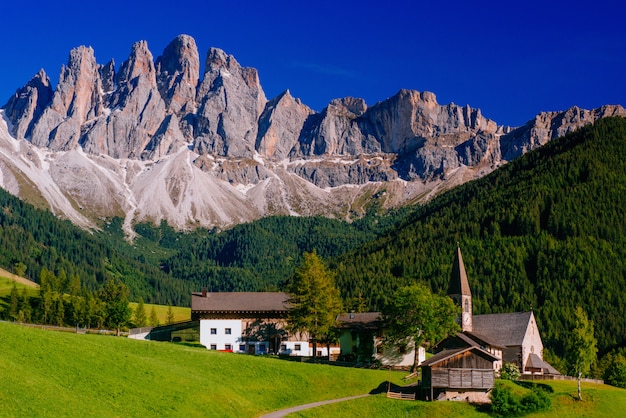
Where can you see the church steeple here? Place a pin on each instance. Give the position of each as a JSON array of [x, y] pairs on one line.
[[460, 292]]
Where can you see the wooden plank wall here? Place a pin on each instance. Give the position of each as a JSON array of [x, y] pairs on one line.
[[462, 378]]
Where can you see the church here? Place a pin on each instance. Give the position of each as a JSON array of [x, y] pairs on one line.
[[465, 365], [511, 337]]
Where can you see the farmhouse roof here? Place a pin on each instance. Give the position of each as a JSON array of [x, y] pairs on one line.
[[458, 278], [362, 320], [504, 329], [239, 302], [446, 354]]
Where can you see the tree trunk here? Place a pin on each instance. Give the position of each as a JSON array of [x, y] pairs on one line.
[[580, 396]]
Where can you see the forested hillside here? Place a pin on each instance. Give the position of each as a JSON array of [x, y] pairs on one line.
[[546, 232], [38, 240], [262, 254]]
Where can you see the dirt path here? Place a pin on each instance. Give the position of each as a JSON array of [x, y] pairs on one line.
[[287, 411]]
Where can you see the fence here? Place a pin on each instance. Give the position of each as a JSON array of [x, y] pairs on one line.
[[557, 377]]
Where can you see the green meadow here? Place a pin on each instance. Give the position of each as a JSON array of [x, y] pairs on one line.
[[181, 313], [47, 373]]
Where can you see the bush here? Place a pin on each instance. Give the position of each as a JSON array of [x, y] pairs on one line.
[[615, 373], [509, 371], [505, 403]]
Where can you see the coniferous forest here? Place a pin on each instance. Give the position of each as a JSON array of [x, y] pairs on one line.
[[545, 232]]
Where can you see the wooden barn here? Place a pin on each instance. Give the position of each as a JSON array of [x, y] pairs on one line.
[[465, 373]]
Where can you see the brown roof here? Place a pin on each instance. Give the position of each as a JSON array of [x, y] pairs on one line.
[[362, 320], [505, 329], [446, 354], [535, 362], [239, 302], [458, 278]]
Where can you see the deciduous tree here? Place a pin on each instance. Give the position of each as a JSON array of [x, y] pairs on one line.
[[581, 346], [415, 316]]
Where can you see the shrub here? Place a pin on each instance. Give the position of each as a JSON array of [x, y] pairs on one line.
[[615, 373], [505, 403], [509, 371]]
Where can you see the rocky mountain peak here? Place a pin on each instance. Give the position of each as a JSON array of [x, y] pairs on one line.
[[25, 106], [162, 142], [139, 64], [178, 73]]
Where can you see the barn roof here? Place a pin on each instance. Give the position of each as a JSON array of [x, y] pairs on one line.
[[446, 354], [459, 284], [362, 320], [239, 302], [504, 329]]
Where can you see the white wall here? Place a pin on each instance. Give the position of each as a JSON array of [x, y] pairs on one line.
[[220, 339]]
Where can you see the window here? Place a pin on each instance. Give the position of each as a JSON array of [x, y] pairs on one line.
[[297, 347], [228, 347], [213, 331], [227, 331], [213, 346], [242, 347], [283, 347]]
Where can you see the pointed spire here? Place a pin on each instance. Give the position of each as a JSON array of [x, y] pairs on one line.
[[459, 285]]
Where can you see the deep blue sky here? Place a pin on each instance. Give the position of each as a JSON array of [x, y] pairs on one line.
[[511, 61]]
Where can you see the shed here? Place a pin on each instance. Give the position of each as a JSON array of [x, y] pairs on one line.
[[465, 372]]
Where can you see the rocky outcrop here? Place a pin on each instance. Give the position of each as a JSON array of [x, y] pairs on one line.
[[230, 100], [212, 150], [280, 126], [178, 74], [550, 125], [27, 104]]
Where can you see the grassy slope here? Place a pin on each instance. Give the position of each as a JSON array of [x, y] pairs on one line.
[[45, 373], [7, 279], [598, 401], [108, 376], [181, 313]]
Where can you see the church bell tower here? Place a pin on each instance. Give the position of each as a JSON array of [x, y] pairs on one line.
[[459, 291]]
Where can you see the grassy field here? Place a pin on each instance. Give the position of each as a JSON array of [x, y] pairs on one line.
[[46, 373], [598, 401], [8, 279], [181, 313]]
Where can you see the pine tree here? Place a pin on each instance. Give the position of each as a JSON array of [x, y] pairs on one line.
[[314, 300], [13, 303], [141, 319], [154, 319], [170, 315], [114, 294]]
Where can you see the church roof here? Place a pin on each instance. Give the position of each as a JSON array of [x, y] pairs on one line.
[[535, 362], [458, 278], [225, 302], [504, 329]]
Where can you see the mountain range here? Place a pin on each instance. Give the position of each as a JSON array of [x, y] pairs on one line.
[[153, 141]]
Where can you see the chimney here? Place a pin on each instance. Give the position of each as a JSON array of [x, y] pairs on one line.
[[204, 292]]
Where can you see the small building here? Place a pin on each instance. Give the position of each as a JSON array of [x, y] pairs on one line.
[[512, 337], [361, 341], [465, 373], [248, 322]]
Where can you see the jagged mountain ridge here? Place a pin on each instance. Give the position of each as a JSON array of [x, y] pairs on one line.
[[156, 141]]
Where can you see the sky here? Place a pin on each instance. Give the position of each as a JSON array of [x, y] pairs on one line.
[[512, 60]]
